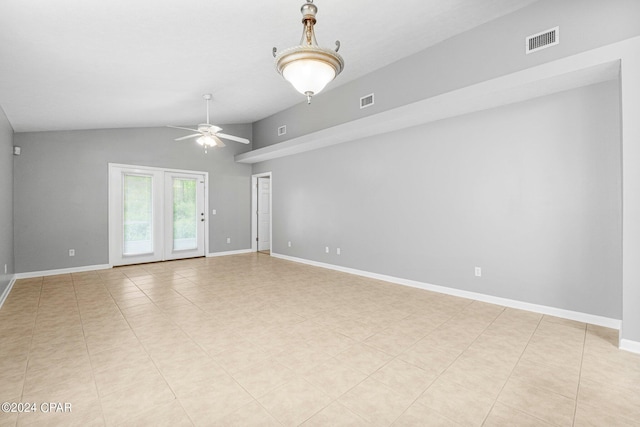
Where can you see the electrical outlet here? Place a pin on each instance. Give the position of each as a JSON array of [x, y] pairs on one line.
[[213, 212], [228, 239], [289, 244], [478, 272], [72, 252], [337, 251], [326, 249]]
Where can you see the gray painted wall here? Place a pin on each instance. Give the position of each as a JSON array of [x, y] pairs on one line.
[[488, 51], [530, 192], [61, 190], [6, 201]]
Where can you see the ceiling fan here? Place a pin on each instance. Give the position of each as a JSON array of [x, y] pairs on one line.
[[209, 135]]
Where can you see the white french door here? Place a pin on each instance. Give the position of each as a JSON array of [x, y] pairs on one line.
[[184, 215], [155, 214]]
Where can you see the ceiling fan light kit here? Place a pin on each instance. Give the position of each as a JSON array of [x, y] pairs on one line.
[[209, 135], [308, 67]]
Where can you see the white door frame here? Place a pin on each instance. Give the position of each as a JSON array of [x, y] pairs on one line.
[[147, 169], [254, 210]]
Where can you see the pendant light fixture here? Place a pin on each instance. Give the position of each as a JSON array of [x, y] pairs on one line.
[[308, 67]]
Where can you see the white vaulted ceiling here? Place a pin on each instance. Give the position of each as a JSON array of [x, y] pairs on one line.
[[87, 64]]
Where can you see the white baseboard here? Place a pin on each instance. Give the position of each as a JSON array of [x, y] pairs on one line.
[[5, 294], [628, 345], [241, 251], [31, 274], [536, 308]]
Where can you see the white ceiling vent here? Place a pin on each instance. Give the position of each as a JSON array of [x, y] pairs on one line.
[[366, 101], [543, 40], [282, 130]]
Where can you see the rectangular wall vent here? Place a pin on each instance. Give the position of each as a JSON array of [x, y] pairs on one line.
[[282, 130], [543, 40], [366, 101]]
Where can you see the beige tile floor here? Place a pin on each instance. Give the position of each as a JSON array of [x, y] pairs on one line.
[[252, 340]]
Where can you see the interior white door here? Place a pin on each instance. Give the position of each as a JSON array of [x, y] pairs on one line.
[[184, 215], [264, 213], [155, 214]]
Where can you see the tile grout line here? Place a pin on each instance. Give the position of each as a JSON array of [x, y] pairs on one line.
[[84, 336], [115, 303], [513, 369], [432, 381], [466, 348], [449, 365], [35, 322], [539, 363], [191, 338], [145, 348], [575, 407]]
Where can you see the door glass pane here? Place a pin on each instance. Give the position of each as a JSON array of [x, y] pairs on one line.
[[185, 214], [138, 215]]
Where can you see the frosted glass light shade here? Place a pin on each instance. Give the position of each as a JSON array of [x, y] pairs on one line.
[[210, 141], [308, 75], [309, 68]]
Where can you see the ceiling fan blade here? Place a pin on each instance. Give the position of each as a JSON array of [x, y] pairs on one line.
[[188, 136], [233, 138], [178, 127], [218, 142]]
